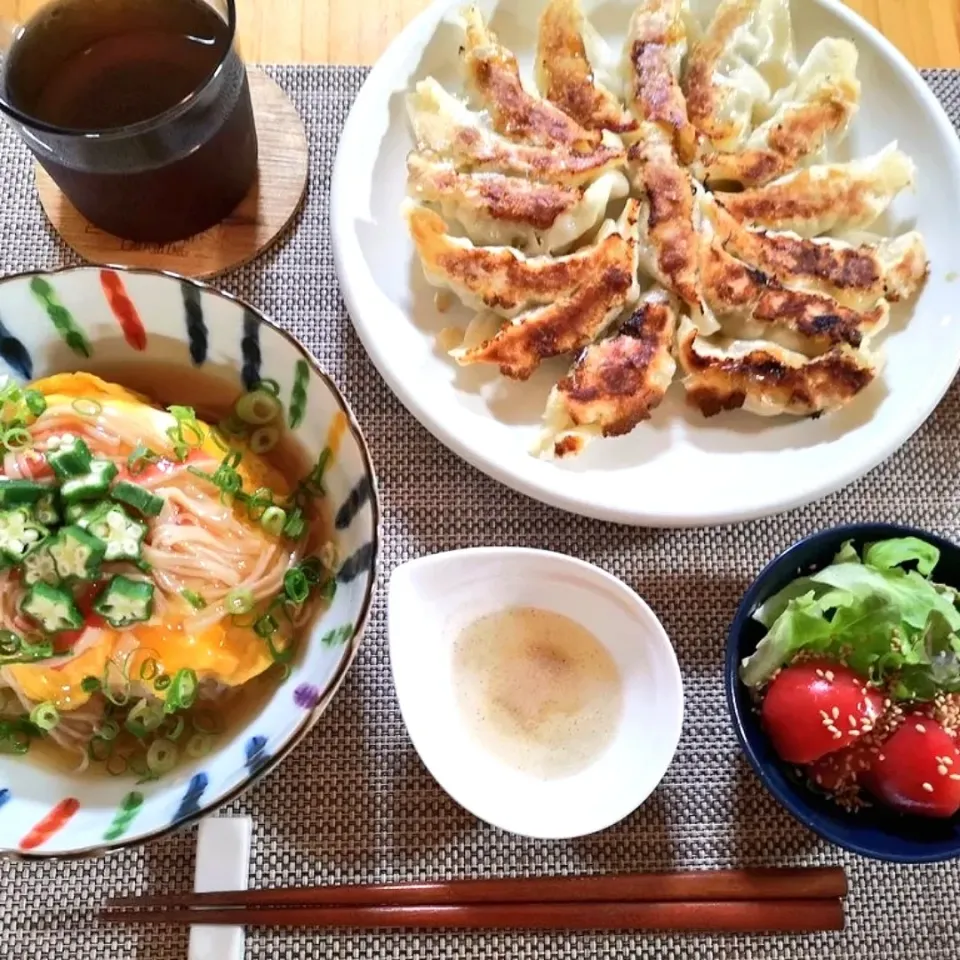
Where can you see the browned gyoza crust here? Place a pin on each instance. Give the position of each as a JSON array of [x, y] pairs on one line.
[[572, 321], [734, 290], [801, 133], [494, 75], [502, 279], [777, 379], [616, 383], [819, 199], [654, 90], [858, 276], [501, 198], [668, 193], [698, 86], [566, 76]]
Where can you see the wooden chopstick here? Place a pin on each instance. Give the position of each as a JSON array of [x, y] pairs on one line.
[[746, 916], [693, 886]]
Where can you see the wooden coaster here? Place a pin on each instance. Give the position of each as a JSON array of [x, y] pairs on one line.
[[259, 219]]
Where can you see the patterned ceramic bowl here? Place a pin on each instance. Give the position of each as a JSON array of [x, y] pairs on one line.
[[91, 319]]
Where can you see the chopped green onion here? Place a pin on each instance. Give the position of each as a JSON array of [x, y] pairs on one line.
[[264, 440], [266, 626], [295, 525], [9, 643], [258, 407], [260, 500], [232, 426], [99, 749], [328, 590], [177, 726], [199, 745], [137, 765], [313, 569], [35, 401], [149, 669], [45, 716], [17, 438], [140, 458], [117, 699], [313, 481], [162, 756], [206, 721], [273, 520], [86, 407], [239, 601], [182, 692], [144, 718], [90, 684], [116, 765], [271, 386], [295, 585], [108, 730], [162, 682], [280, 654], [194, 599]]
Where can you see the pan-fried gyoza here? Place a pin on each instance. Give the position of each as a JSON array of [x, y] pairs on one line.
[[690, 163]]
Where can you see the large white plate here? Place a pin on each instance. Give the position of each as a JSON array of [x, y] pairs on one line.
[[679, 469]]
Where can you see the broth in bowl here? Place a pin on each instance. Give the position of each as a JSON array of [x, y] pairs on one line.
[[161, 562]]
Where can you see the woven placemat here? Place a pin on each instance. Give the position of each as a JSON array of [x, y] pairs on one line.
[[353, 803]]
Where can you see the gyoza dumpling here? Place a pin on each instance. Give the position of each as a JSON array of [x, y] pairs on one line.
[[501, 279], [855, 276], [669, 226], [820, 103], [498, 210], [828, 197], [745, 55], [571, 57], [493, 76], [767, 379], [574, 320], [748, 303], [615, 383], [655, 48], [446, 128]]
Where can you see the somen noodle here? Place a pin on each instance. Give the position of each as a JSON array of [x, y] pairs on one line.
[[153, 566]]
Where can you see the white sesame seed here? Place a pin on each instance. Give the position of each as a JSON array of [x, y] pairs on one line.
[[928, 787], [881, 757], [955, 776], [836, 713], [948, 761], [942, 770], [888, 704], [829, 675], [852, 719], [837, 734], [854, 733], [827, 722], [921, 728], [819, 672]]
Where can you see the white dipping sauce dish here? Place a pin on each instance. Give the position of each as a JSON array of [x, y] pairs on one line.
[[433, 599]]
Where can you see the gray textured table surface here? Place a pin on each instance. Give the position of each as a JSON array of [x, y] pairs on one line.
[[354, 802]]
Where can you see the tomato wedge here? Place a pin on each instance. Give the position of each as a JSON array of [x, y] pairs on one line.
[[918, 769], [817, 707]]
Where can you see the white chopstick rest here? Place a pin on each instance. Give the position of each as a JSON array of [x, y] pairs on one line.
[[223, 863]]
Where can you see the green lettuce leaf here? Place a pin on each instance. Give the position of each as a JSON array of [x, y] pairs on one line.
[[877, 617]]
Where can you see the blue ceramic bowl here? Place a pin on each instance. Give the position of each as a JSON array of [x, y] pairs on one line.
[[874, 832]]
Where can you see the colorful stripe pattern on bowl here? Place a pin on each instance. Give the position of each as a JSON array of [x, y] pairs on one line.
[[123, 309], [129, 808], [55, 820], [15, 354], [256, 753], [61, 317], [98, 318], [190, 803], [197, 336]]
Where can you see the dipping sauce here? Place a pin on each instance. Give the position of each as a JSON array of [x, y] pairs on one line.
[[538, 690]]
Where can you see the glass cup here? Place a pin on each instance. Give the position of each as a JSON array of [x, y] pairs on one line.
[[138, 109]]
